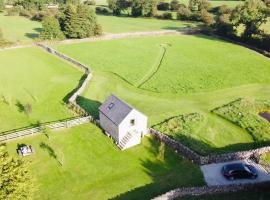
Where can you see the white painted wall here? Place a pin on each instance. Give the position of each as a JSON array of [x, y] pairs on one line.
[[140, 124]]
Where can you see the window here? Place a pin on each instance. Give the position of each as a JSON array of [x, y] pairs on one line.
[[132, 122], [111, 106]]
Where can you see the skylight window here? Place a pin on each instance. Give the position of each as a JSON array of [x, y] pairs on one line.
[[111, 106]]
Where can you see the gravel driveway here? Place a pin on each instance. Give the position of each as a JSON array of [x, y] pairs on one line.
[[213, 176]]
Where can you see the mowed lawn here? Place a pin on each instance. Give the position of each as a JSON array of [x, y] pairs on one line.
[[113, 24], [31, 76], [198, 74], [19, 29], [94, 168], [191, 64]]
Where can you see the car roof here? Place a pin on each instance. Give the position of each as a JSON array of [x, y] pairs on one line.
[[235, 166]]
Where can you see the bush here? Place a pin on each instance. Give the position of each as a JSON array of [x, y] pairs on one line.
[[102, 10], [163, 6], [175, 5], [51, 29], [90, 2], [184, 13], [207, 18], [167, 15]]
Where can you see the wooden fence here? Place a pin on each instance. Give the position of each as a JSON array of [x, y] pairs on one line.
[[39, 129]]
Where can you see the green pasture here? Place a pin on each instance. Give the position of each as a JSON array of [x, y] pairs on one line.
[[82, 163], [114, 24], [19, 29], [31, 76], [198, 74]]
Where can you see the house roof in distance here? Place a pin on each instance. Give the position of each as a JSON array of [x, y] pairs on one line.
[[115, 109]]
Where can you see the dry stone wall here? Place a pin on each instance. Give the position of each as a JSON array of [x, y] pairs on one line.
[[202, 160], [206, 190]]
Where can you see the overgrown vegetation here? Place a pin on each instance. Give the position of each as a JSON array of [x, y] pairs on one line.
[[245, 113], [15, 182], [183, 128]]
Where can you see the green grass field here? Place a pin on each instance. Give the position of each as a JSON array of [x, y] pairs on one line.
[[113, 24], [206, 73], [19, 29], [30, 75], [94, 168]]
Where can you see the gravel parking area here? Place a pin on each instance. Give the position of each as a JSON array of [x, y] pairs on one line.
[[213, 176]]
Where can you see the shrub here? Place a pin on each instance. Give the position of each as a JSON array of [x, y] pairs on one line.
[[167, 15], [90, 2], [2, 5], [102, 10], [51, 29], [175, 5], [207, 18], [163, 6], [184, 13]]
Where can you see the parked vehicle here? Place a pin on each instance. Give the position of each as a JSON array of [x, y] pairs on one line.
[[239, 171]]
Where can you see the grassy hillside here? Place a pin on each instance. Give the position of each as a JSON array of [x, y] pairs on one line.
[[191, 63], [31, 76], [113, 24], [19, 29], [206, 73], [94, 168]]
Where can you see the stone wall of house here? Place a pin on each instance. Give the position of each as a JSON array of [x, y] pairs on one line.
[[202, 160], [206, 190]]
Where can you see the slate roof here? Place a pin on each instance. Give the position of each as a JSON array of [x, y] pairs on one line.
[[115, 109]]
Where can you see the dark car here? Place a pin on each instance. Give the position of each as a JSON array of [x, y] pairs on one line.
[[238, 171]]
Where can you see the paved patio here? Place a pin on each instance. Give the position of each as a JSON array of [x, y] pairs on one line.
[[213, 176]]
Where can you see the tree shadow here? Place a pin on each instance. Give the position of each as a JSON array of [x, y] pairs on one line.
[[31, 35], [166, 174], [91, 106], [20, 106], [39, 30], [49, 149]]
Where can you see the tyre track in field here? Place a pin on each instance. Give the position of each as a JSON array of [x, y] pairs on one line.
[[155, 67]]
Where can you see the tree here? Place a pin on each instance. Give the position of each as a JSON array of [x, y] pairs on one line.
[[198, 5], [223, 24], [137, 8], [51, 29], [252, 14], [15, 181], [2, 5], [175, 5], [150, 8], [184, 13], [207, 18], [79, 22]]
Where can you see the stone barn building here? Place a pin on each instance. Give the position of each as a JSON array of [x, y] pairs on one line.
[[122, 122]]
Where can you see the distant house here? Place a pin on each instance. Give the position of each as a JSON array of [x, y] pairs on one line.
[[122, 122]]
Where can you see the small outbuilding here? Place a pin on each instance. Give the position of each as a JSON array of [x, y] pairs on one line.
[[122, 122]]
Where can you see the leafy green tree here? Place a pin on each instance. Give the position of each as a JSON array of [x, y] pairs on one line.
[[51, 29], [207, 18], [79, 22], [252, 14], [198, 5], [137, 8], [184, 13], [150, 8], [175, 5], [15, 181]]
